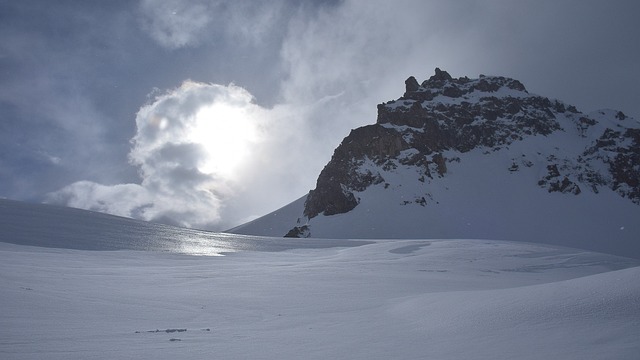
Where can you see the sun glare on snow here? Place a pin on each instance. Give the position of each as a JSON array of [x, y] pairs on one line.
[[227, 134]]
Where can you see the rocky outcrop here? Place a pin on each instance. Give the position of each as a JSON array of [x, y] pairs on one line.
[[554, 181], [620, 151], [446, 115], [411, 85], [474, 118], [299, 232], [334, 193]]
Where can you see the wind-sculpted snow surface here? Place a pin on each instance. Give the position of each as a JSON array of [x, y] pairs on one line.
[[392, 299], [277, 298], [478, 158]]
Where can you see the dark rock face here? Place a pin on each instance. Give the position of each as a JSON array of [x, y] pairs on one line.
[[446, 114], [338, 180], [411, 84]]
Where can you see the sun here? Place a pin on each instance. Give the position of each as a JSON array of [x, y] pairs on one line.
[[228, 134]]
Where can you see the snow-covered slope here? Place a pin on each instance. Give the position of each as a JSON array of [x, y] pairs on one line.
[[277, 223], [400, 299], [477, 158], [62, 227], [278, 298]]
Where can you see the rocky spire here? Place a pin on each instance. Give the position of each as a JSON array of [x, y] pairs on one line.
[[411, 84], [440, 76]]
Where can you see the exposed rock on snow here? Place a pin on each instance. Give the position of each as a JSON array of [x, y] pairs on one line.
[[299, 232]]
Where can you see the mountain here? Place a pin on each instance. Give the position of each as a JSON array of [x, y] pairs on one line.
[[477, 158]]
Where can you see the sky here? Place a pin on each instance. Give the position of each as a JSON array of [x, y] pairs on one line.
[[209, 113]]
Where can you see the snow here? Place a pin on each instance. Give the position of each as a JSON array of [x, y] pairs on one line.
[[297, 298]]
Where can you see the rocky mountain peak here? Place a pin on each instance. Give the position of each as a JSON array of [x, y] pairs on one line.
[[420, 136], [441, 83], [461, 114]]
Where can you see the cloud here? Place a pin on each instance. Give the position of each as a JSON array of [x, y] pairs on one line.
[[175, 23], [253, 22], [180, 139], [96, 197], [208, 157]]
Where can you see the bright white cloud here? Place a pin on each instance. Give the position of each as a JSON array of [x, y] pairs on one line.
[[208, 127], [191, 148], [208, 157]]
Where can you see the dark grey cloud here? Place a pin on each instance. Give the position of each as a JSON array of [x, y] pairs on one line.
[[80, 81], [583, 52]]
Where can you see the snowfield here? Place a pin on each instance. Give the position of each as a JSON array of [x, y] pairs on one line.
[[379, 299]]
